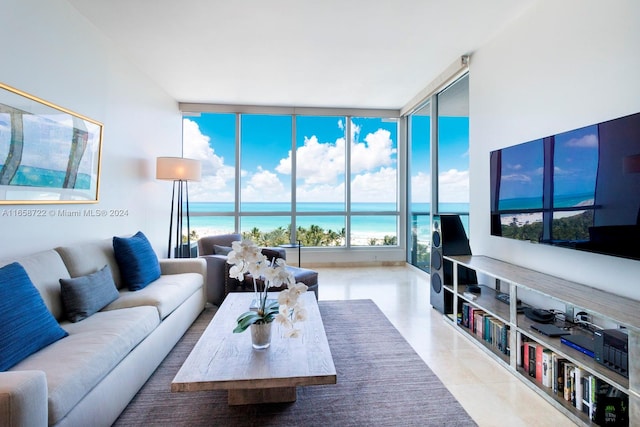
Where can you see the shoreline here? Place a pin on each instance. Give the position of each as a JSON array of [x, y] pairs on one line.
[[531, 218], [357, 239]]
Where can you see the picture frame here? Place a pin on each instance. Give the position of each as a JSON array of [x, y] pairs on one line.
[[48, 154]]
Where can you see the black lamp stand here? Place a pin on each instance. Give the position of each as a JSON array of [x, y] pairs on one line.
[[180, 194]]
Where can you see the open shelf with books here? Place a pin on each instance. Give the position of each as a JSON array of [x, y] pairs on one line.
[[492, 331], [574, 379]]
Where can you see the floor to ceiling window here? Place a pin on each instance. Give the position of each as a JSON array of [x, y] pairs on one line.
[[419, 182], [374, 181], [212, 139], [320, 166], [450, 125], [329, 180], [453, 150], [265, 184]]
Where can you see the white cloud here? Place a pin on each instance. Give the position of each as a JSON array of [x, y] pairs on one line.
[[211, 189], [320, 170], [324, 162], [454, 186], [317, 163], [218, 177], [196, 146], [516, 177], [421, 188], [265, 186], [380, 186], [321, 193], [377, 152], [587, 141]]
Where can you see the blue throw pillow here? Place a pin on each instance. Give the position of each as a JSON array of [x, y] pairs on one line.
[[26, 325], [83, 296], [137, 261]]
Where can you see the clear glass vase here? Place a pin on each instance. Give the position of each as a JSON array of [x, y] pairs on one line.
[[261, 335]]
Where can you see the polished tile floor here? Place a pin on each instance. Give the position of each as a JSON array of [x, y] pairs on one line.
[[489, 393]]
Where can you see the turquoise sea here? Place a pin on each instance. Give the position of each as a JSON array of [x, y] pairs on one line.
[[565, 201], [38, 177], [360, 224]]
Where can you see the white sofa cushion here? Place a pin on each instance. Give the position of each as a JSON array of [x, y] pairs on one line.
[[89, 257], [77, 363], [45, 269], [166, 294]]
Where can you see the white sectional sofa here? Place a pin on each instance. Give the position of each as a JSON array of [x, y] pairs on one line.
[[88, 377]]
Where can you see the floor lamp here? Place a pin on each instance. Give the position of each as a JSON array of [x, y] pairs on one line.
[[180, 171]]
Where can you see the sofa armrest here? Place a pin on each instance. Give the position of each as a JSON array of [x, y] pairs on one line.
[[217, 270], [183, 265], [23, 399]]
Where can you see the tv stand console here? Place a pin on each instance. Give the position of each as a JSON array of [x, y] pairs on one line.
[[506, 332]]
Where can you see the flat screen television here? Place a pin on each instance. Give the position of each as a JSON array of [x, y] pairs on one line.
[[578, 189]]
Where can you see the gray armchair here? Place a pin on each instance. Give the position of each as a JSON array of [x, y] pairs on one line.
[[214, 250]]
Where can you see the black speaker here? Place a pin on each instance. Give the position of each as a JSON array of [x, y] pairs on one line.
[[438, 295], [447, 238]]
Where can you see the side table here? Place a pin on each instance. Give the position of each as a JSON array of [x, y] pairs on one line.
[[293, 246]]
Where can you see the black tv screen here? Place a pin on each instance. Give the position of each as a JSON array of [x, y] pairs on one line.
[[578, 189]]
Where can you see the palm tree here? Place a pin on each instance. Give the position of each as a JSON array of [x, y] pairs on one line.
[[16, 146], [78, 146]]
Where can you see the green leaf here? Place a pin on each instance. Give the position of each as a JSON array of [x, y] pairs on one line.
[[250, 317], [245, 320], [273, 307]]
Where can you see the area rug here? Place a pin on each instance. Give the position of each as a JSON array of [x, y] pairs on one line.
[[381, 382]]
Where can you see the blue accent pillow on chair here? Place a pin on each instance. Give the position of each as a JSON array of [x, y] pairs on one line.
[[137, 261], [26, 325]]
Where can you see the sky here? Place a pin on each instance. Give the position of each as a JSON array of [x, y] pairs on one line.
[[575, 166], [320, 153], [47, 143]]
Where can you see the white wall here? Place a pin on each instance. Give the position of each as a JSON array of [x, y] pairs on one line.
[[52, 52], [562, 65]]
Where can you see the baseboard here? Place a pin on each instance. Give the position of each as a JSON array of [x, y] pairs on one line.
[[349, 264]]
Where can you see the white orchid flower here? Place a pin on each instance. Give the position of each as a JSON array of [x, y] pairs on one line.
[[247, 257]]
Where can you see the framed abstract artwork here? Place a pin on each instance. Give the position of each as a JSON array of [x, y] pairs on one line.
[[48, 154]]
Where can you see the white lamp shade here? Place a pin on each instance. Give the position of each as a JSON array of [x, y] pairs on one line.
[[178, 169]]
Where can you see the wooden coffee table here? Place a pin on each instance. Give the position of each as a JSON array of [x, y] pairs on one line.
[[222, 360]]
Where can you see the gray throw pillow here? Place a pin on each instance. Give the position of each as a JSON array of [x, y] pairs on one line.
[[221, 250], [83, 296]]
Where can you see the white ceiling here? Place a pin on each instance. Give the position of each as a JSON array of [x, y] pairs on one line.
[[303, 53]]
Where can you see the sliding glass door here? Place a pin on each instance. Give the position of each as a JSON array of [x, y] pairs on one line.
[[438, 149]]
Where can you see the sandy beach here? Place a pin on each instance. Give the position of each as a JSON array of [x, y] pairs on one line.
[[358, 239]]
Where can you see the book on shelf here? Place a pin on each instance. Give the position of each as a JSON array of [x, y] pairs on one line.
[[539, 354], [525, 356], [477, 322], [465, 314], [568, 381], [486, 327], [558, 363], [533, 361], [577, 381], [547, 371], [505, 339], [589, 396]]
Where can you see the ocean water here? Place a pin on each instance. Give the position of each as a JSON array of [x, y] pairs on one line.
[[566, 201], [38, 177], [360, 224]]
